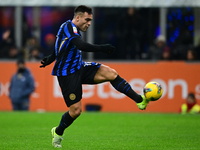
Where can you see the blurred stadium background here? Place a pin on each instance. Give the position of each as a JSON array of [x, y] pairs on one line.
[[34, 24]]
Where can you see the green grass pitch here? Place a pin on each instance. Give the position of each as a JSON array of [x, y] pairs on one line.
[[101, 131]]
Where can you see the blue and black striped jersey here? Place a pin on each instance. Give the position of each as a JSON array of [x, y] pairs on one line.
[[68, 57]]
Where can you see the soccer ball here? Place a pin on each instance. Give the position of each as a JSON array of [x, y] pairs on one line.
[[153, 91]]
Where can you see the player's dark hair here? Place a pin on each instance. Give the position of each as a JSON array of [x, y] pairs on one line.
[[20, 61], [82, 9], [191, 95]]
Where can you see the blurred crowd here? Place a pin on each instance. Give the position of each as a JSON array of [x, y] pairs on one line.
[[31, 50], [161, 51], [127, 49], [127, 32]]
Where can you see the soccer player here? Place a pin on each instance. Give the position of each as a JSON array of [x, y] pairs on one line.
[[72, 72]]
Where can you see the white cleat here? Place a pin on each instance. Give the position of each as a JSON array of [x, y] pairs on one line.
[[56, 139]]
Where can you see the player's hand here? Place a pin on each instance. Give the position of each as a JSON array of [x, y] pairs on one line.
[[47, 60], [43, 62], [107, 48]]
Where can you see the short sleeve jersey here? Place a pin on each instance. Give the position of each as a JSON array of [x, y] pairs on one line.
[[68, 57]]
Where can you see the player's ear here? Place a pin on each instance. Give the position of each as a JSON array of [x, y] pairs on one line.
[[77, 18]]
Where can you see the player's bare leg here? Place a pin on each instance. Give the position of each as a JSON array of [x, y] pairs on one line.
[[106, 73], [75, 110]]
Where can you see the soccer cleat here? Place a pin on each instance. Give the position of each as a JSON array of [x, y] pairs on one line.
[[56, 139], [143, 104]]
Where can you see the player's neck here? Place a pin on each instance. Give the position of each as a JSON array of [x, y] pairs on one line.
[[74, 22]]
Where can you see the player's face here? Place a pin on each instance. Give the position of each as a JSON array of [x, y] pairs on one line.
[[21, 66], [190, 100], [84, 21]]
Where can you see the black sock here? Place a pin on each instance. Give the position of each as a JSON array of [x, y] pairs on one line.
[[124, 87], [66, 121]]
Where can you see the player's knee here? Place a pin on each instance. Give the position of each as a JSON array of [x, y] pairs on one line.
[[78, 112], [75, 112]]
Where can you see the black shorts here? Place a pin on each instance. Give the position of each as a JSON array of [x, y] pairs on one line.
[[71, 85]]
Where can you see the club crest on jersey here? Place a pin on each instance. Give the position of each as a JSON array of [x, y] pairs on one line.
[[75, 30], [72, 96]]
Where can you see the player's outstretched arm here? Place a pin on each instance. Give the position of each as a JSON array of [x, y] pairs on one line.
[[48, 60], [80, 44]]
